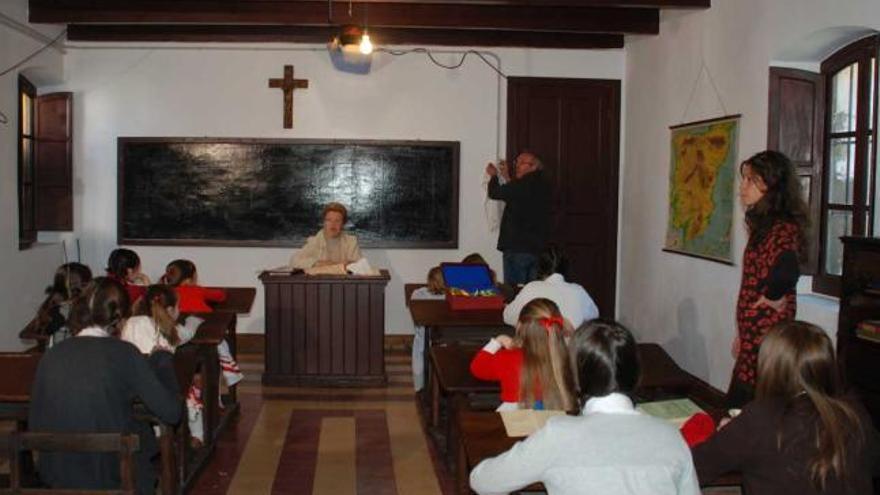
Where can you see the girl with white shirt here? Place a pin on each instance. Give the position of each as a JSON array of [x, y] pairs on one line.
[[155, 327], [610, 448]]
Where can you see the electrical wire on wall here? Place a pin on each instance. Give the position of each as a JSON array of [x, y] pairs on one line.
[[464, 55], [3, 118]]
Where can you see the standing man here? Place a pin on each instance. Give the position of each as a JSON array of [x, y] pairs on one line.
[[525, 224]]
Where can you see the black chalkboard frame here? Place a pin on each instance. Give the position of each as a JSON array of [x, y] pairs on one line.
[[122, 142]]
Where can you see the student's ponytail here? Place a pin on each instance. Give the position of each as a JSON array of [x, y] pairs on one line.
[[155, 304]]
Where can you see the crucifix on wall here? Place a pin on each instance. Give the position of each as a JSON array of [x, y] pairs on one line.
[[287, 85]]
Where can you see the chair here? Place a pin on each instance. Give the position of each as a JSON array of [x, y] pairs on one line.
[[16, 443]]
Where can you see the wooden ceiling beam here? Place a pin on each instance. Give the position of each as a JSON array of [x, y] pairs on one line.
[[379, 14], [382, 36]]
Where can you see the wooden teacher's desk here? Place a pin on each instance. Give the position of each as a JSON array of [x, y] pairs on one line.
[[325, 329]]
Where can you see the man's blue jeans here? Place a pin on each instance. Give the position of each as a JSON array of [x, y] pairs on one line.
[[519, 268]]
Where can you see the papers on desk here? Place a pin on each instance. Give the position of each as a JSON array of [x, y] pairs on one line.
[[676, 411], [524, 422], [282, 271], [361, 267]]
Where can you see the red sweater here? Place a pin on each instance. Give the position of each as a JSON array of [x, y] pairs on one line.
[[195, 299], [504, 366], [134, 292]]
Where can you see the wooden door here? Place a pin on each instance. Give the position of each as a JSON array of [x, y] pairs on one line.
[[573, 125]]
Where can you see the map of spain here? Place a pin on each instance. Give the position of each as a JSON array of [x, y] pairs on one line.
[[701, 189]]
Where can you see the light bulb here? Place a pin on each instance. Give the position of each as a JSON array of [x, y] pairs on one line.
[[366, 46]]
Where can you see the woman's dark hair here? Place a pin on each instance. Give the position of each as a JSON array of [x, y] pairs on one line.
[[178, 271], [796, 360], [104, 303], [783, 199], [155, 304], [605, 359], [69, 282], [121, 260], [552, 261]]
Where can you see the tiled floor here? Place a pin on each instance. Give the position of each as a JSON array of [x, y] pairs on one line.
[[325, 441]]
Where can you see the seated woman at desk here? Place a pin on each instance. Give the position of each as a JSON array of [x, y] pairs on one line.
[[533, 366], [331, 249], [610, 447], [801, 434]]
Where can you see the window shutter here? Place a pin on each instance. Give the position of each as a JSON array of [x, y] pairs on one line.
[[53, 167], [796, 125]]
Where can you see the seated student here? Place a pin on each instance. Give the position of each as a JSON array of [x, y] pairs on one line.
[[610, 447], [574, 303], [532, 367], [182, 275], [154, 327], [801, 434], [124, 266], [87, 384], [434, 290], [51, 319]]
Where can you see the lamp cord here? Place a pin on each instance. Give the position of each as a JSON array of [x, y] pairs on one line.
[[436, 62]]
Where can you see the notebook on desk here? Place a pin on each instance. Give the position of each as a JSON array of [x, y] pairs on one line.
[[676, 411], [524, 422]]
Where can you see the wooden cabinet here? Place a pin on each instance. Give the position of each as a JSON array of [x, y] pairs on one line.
[[325, 330], [859, 301]]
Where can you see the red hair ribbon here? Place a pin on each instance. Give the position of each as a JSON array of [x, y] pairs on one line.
[[548, 323]]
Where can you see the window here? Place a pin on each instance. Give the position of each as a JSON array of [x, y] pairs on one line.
[[27, 231], [849, 176]]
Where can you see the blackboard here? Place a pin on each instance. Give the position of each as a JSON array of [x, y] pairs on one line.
[[270, 192]]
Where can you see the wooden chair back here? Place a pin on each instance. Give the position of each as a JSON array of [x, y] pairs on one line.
[[126, 445], [18, 370], [408, 289]]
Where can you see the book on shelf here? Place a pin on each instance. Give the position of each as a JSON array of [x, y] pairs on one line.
[[676, 411], [524, 422]]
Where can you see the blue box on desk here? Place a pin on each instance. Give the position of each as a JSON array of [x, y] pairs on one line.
[[469, 286]]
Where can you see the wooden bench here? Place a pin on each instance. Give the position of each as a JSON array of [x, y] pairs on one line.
[[16, 443]]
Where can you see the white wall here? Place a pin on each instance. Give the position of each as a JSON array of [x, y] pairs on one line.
[[221, 92], [23, 274], [686, 304]]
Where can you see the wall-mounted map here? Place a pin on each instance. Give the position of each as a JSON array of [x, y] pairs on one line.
[[701, 188]]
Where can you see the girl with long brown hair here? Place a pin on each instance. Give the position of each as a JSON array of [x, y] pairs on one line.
[[533, 366], [801, 434], [776, 220]]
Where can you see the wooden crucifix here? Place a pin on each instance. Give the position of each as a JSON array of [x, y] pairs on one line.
[[287, 85]]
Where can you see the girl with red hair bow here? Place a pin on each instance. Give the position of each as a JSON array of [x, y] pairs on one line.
[[532, 367]]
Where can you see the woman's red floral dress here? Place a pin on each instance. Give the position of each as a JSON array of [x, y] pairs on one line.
[[753, 323]]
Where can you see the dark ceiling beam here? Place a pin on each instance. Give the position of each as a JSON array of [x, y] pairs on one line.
[[195, 33], [384, 14]]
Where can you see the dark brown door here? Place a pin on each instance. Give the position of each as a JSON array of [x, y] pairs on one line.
[[573, 125]]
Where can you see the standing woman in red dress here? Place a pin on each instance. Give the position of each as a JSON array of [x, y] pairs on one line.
[[776, 220]]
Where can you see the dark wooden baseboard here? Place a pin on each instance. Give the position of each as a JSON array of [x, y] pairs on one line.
[[253, 343]]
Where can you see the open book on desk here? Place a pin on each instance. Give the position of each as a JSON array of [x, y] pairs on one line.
[[524, 422], [676, 411]]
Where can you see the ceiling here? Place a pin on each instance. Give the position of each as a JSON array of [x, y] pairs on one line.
[[491, 23]]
